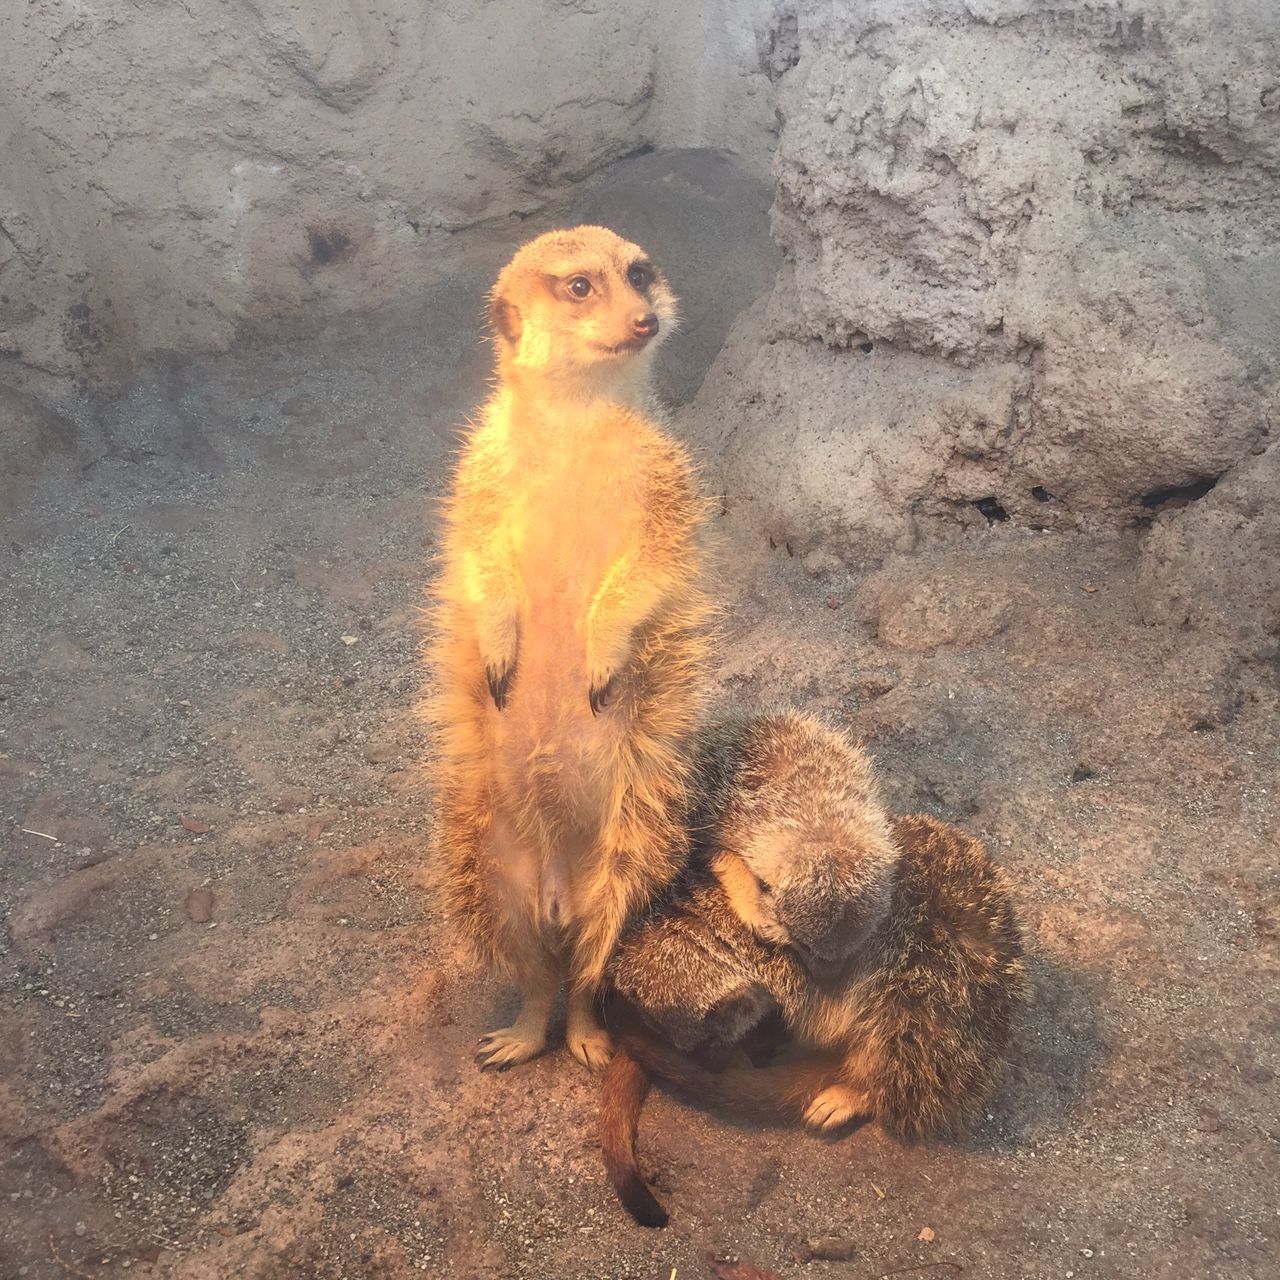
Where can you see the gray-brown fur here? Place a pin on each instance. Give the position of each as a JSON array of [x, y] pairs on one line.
[[909, 1025]]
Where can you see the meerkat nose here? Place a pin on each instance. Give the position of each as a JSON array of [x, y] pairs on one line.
[[646, 325]]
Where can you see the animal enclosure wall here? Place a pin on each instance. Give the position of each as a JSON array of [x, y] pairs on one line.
[[170, 173], [1032, 275], [1031, 266], [1032, 270]]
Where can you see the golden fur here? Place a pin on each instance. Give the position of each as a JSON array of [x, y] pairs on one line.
[[569, 636]]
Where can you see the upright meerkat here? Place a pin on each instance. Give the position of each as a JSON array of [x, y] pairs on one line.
[[570, 639], [890, 949]]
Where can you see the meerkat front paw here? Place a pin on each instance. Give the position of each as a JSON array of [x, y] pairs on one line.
[[498, 632], [835, 1106], [498, 676]]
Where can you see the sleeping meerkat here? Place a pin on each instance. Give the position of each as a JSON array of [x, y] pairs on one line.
[[569, 640], [889, 947]]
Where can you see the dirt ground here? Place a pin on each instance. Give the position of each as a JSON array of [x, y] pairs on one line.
[[235, 1038]]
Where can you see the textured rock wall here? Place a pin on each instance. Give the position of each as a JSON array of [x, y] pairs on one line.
[[1215, 565], [1033, 270], [170, 172]]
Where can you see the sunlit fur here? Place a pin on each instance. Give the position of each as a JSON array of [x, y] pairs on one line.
[[912, 1023], [569, 592]]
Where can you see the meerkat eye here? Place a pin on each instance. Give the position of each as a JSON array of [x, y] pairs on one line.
[[580, 287], [765, 887], [639, 276]]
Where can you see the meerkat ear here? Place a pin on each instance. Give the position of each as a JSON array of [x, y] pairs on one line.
[[505, 319]]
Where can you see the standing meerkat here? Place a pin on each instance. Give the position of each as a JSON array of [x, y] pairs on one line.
[[570, 636], [889, 948]]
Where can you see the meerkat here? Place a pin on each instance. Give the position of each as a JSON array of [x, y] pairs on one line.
[[889, 947], [570, 636]]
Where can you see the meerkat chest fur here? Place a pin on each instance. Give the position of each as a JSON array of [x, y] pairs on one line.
[[577, 498], [576, 509]]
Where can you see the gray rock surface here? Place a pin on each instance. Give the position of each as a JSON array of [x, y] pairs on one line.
[[705, 222], [171, 176], [35, 443], [1033, 267], [1216, 565]]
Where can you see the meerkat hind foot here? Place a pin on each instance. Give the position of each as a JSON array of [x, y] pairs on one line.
[[510, 1046], [834, 1107], [587, 1040]]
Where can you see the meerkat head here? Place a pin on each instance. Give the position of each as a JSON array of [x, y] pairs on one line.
[[580, 306], [823, 898]]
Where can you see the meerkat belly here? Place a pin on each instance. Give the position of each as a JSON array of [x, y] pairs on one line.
[[558, 760], [554, 765], [569, 541], [555, 757]]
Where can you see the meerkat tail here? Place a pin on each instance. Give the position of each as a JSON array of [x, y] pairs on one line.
[[625, 1087], [779, 1092]]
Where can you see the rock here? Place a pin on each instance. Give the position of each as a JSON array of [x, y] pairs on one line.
[[1046, 296], [915, 608], [331, 151], [820, 563], [825, 1249], [199, 906], [291, 800], [844, 455], [1215, 564], [869, 685], [705, 221]]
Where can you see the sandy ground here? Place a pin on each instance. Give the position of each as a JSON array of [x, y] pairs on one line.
[[235, 1039]]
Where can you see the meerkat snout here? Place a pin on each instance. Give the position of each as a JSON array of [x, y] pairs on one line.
[[837, 899], [579, 301], [823, 901], [829, 917]]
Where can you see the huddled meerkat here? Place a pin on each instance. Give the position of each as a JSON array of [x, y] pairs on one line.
[[889, 947], [569, 636]]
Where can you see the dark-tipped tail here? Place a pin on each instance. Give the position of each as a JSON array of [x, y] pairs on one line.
[[625, 1087]]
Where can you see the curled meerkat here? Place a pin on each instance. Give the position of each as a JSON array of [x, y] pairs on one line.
[[889, 948], [569, 636]]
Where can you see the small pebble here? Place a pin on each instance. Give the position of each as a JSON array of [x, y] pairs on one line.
[[825, 1249]]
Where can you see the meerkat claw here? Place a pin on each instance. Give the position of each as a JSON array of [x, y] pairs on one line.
[[593, 1050], [499, 682], [501, 1050], [599, 696]]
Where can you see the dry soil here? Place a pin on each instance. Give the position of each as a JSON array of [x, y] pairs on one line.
[[235, 1036]]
